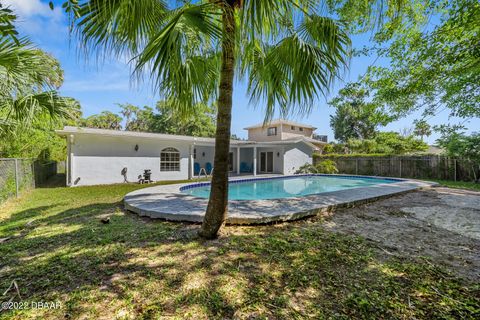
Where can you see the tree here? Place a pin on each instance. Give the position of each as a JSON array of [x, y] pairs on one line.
[[460, 145], [433, 69], [29, 79], [354, 117], [387, 143], [287, 53], [104, 120], [143, 120], [128, 111], [38, 139], [422, 129], [233, 136], [199, 123]]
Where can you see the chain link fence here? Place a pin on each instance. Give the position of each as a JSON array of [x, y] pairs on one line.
[[20, 175], [416, 167], [16, 176]]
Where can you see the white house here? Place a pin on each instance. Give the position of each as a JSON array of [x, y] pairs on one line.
[[99, 156]]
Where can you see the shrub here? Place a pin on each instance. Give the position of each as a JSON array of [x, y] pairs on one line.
[[325, 166], [328, 148], [307, 168]]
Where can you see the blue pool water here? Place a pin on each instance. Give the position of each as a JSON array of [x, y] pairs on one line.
[[286, 187]]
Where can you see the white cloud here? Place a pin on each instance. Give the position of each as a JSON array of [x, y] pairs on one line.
[[35, 18], [29, 8]]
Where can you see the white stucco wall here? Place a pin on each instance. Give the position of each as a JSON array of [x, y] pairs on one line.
[[100, 160], [261, 134], [288, 133], [295, 156], [284, 132]]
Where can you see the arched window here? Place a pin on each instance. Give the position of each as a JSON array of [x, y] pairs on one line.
[[170, 160]]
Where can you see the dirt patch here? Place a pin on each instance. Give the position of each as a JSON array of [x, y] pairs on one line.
[[439, 224]]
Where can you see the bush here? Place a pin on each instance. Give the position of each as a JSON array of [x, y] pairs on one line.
[[325, 166], [328, 148]]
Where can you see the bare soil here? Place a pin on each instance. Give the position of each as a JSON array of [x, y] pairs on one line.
[[439, 225]]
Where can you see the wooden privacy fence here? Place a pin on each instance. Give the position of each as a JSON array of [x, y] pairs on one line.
[[417, 167], [18, 175]]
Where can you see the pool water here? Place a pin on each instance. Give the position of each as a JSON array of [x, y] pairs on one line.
[[286, 187]]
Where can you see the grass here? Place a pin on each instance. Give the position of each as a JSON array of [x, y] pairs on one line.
[[459, 184], [134, 268]]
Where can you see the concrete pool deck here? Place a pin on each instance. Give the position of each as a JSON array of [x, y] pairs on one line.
[[169, 203]]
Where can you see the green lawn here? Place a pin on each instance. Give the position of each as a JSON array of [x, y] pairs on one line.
[[459, 184], [135, 268]]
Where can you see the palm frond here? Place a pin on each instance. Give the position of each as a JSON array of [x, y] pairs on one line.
[[24, 68], [28, 79], [7, 27], [28, 107], [260, 20], [116, 26], [182, 57], [299, 68]]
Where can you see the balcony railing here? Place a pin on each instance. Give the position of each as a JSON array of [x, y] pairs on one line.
[[320, 137]]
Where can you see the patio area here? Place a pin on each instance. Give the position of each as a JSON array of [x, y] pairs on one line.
[[244, 160]]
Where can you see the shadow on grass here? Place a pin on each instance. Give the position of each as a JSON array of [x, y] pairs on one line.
[[139, 268]]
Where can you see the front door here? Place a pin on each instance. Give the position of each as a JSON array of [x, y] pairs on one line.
[[266, 162]]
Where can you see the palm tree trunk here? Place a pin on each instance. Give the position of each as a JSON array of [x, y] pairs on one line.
[[218, 202]]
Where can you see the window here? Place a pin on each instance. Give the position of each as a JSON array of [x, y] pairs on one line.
[[195, 153], [272, 131], [301, 129], [170, 160], [293, 127]]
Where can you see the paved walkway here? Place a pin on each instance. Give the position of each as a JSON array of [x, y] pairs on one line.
[[167, 202]]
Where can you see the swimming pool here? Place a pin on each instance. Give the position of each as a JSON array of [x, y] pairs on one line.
[[286, 187]]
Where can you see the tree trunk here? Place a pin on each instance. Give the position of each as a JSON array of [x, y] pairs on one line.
[[217, 205]]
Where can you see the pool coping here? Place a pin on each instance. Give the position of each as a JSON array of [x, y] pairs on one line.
[[169, 203]]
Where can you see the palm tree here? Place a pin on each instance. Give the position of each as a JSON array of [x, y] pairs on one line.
[[422, 129], [29, 78], [286, 52]]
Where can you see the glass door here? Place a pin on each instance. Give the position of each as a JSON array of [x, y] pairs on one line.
[[270, 162], [266, 162]]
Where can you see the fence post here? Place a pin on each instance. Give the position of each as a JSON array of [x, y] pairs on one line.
[[16, 177], [33, 175], [356, 167], [455, 169], [400, 167]]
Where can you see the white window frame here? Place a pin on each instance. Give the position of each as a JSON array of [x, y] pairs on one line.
[[169, 160], [269, 131]]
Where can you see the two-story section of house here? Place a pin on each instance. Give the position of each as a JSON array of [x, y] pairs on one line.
[[284, 130]]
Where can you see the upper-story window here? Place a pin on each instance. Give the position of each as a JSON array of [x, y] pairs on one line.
[[170, 160], [293, 127], [301, 129], [272, 131]]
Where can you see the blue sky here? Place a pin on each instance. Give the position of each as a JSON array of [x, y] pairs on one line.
[[102, 85]]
